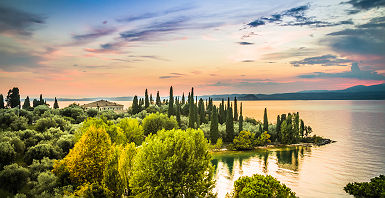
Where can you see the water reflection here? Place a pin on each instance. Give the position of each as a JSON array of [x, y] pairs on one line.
[[277, 162]]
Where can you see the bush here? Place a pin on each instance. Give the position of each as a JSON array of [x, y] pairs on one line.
[[374, 188], [75, 112], [132, 130], [18, 145], [244, 141], [7, 154], [92, 112], [40, 151], [260, 186], [40, 110], [39, 166], [173, 163], [51, 122], [13, 177], [66, 142], [46, 182], [157, 121], [21, 123], [94, 190]]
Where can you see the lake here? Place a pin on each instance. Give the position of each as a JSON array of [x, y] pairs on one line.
[[358, 155]]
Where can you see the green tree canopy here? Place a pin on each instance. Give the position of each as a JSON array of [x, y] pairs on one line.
[[173, 163], [374, 188], [86, 162], [260, 186], [158, 121], [13, 98]]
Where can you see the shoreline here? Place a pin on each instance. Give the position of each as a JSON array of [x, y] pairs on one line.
[[274, 146]]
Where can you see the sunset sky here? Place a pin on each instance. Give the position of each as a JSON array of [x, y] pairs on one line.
[[91, 48]]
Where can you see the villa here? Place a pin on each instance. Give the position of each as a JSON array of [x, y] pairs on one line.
[[103, 105]]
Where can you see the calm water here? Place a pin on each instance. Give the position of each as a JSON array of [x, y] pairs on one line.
[[358, 155]]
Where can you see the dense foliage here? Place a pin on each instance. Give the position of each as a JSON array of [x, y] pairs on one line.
[[374, 188], [70, 151], [260, 186], [173, 163]]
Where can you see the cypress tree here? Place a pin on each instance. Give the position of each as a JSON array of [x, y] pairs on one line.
[[302, 128], [222, 112], [27, 103], [278, 129], [171, 103], [56, 105], [191, 116], [201, 111], [13, 98], [240, 123], [183, 99], [177, 114], [135, 105], [265, 121], [41, 101], [260, 129], [296, 127], [158, 102], [229, 125], [1, 101], [214, 132], [35, 102], [151, 99], [235, 109], [146, 100]]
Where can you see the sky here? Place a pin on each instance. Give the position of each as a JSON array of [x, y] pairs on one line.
[[107, 48]]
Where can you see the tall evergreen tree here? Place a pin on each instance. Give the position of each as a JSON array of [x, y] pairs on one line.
[[302, 128], [56, 104], [260, 129], [278, 129], [201, 111], [171, 103], [296, 127], [135, 105], [35, 103], [158, 102], [177, 114], [151, 99], [146, 100], [41, 101], [235, 109], [13, 98], [229, 125], [240, 123], [214, 132], [265, 121], [191, 120], [222, 112], [27, 103], [1, 101], [183, 99]]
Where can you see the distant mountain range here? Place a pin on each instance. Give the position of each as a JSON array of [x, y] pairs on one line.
[[360, 92]]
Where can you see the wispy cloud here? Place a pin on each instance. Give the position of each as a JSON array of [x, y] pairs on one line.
[[172, 75], [20, 60], [355, 73], [245, 43], [325, 60], [295, 17], [94, 33], [363, 5], [18, 22], [150, 15]]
